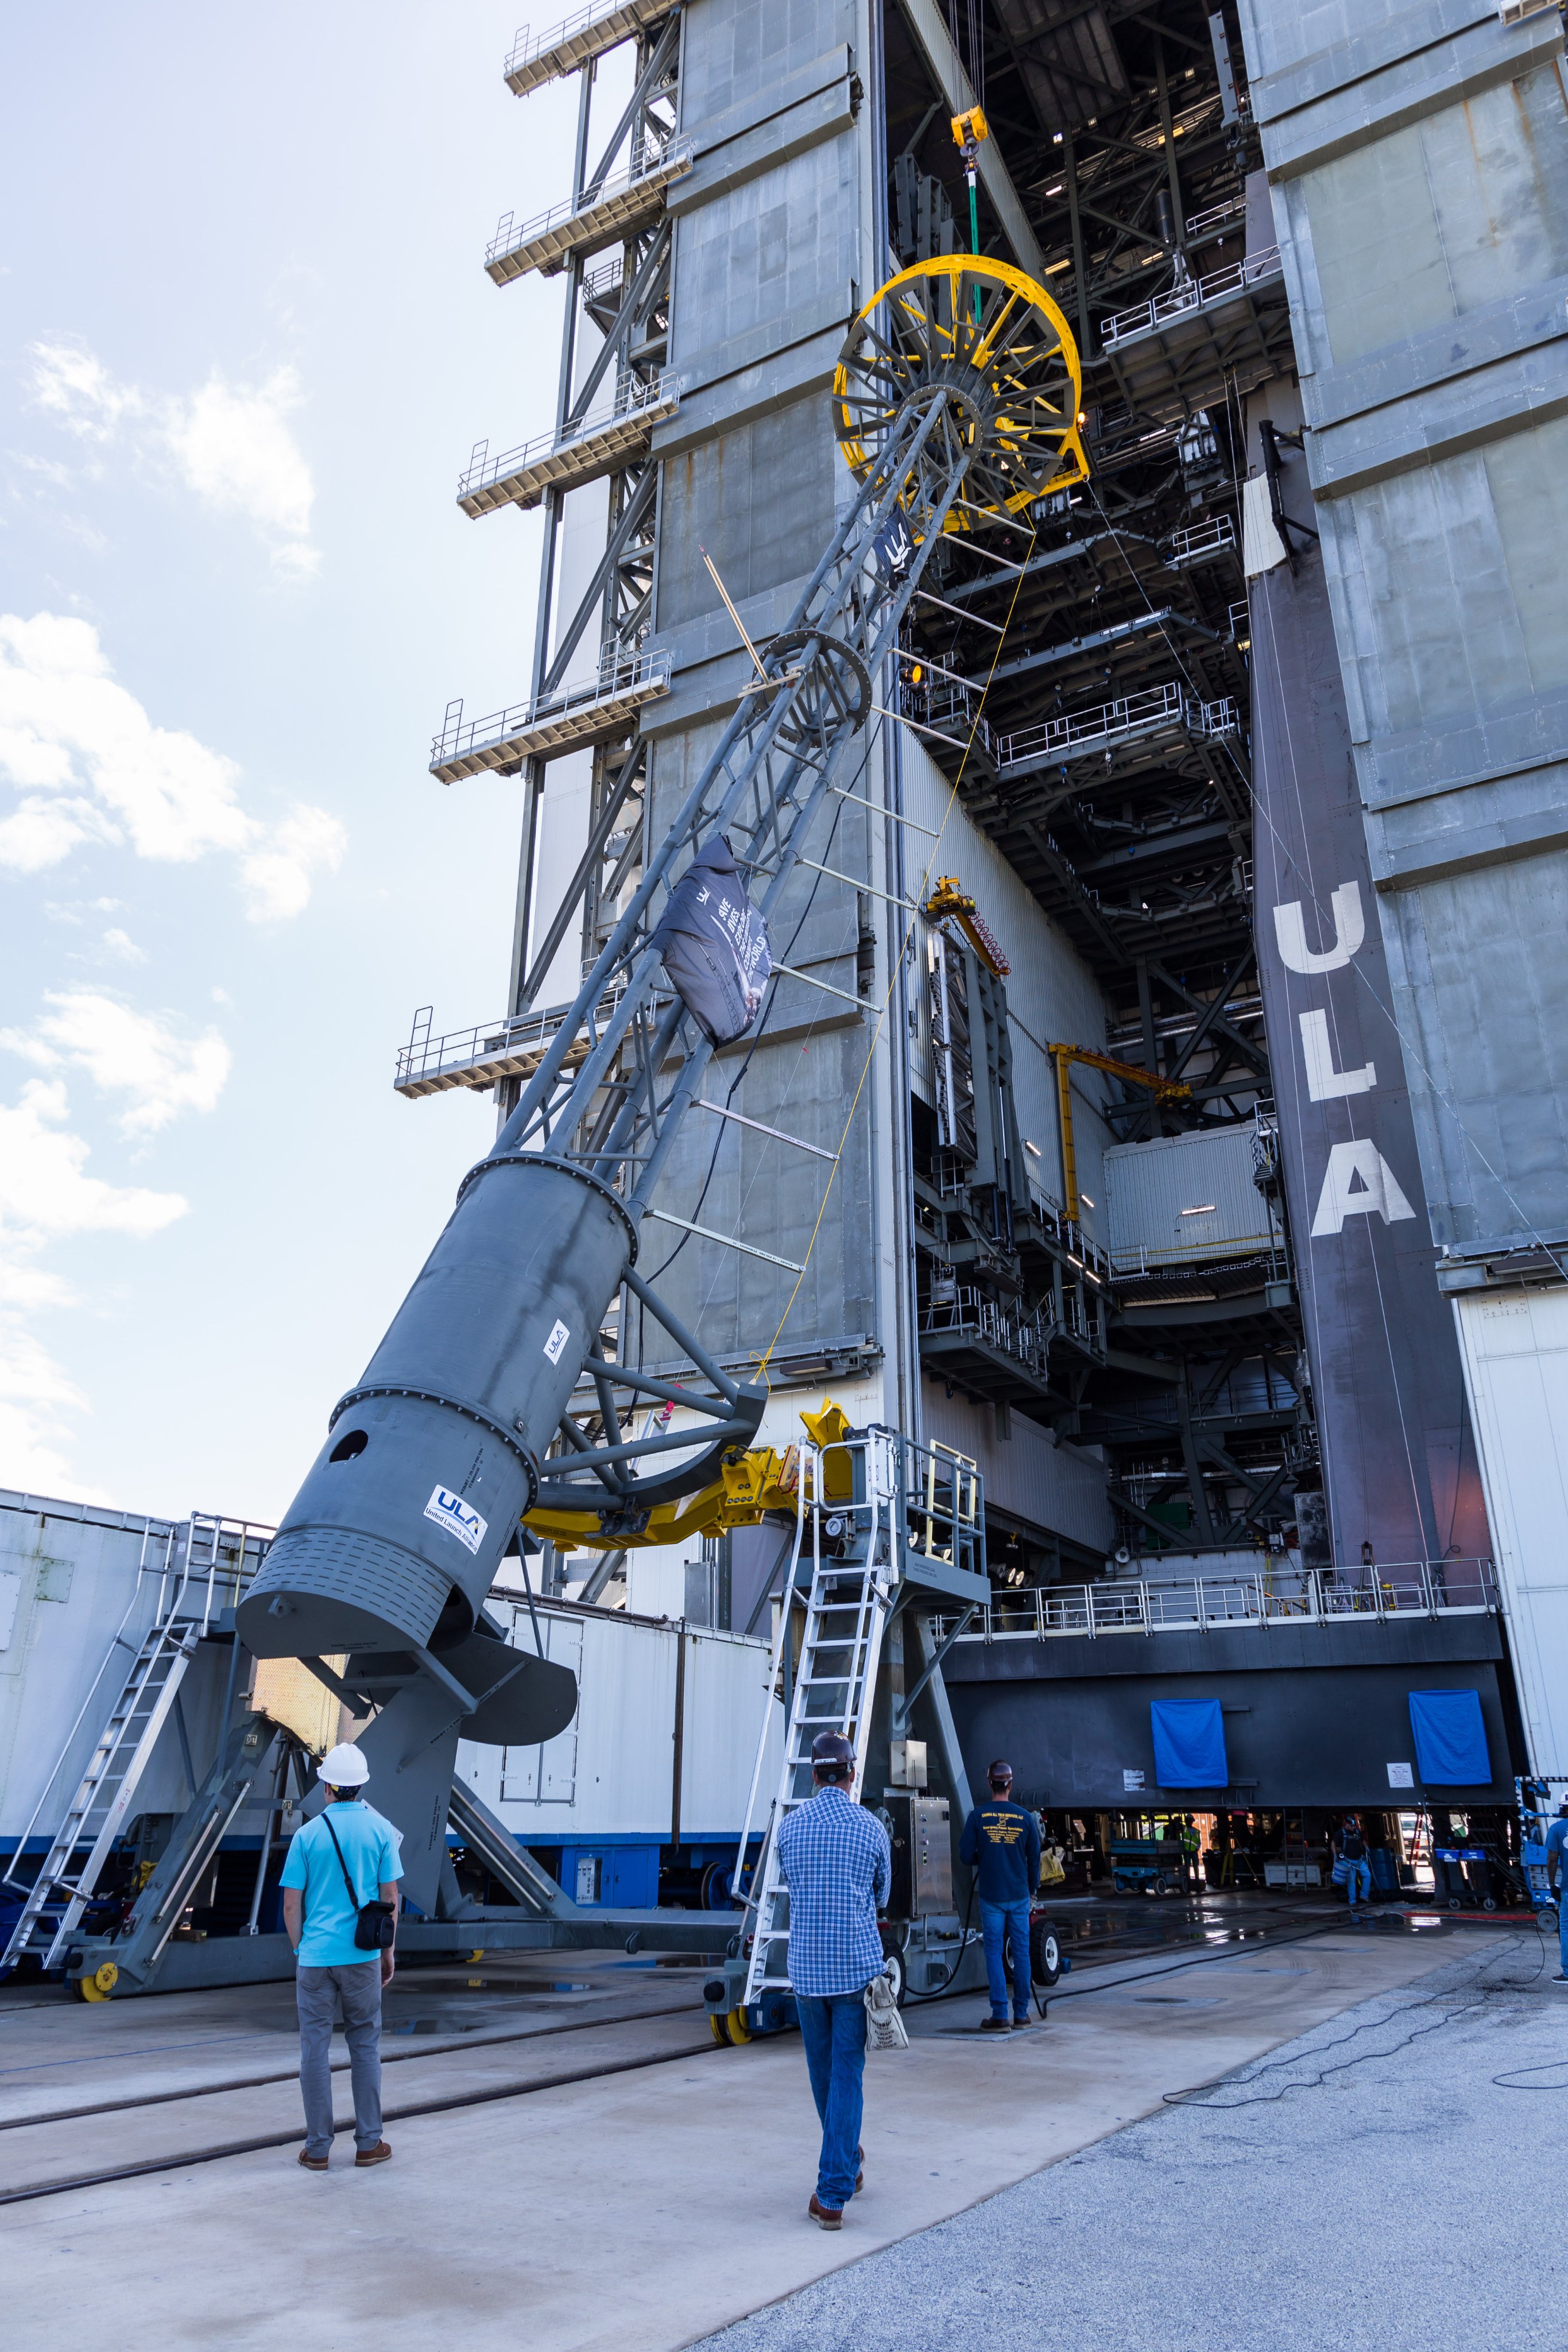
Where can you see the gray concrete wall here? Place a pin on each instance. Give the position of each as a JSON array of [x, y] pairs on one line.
[[1418, 161]]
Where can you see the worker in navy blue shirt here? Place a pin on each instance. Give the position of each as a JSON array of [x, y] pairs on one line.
[[1556, 1839], [1001, 1844]]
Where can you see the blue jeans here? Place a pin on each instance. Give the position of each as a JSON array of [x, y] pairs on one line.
[[833, 2031], [1357, 1883], [1003, 1924]]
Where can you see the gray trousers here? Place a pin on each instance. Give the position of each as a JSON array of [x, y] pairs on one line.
[[318, 1991]]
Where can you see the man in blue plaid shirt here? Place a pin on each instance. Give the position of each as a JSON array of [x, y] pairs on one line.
[[834, 1858]]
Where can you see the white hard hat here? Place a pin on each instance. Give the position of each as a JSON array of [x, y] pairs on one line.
[[343, 1768]]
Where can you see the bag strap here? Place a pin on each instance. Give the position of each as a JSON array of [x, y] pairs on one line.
[[353, 1899]]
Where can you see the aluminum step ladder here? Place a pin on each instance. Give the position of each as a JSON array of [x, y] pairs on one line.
[[848, 1604], [102, 1800]]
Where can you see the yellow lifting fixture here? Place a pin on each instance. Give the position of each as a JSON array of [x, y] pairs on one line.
[[747, 1488], [1163, 1089], [950, 898]]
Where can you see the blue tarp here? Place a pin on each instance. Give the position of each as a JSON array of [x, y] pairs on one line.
[[1190, 1743], [1450, 1738]]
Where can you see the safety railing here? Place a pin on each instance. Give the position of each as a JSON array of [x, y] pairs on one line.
[[620, 675], [1203, 1603], [633, 397], [511, 235], [425, 1057], [1195, 294], [1199, 543], [960, 1310], [1204, 223], [1076, 731]]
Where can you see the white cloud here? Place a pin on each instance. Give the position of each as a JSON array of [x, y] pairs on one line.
[[122, 947], [71, 385], [45, 1195], [277, 874], [127, 1052], [229, 443], [90, 765]]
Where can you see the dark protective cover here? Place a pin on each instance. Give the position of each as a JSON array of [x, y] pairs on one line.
[[715, 945], [1450, 1737], [1190, 1743], [1399, 1460]]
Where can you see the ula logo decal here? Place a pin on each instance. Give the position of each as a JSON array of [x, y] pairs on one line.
[[458, 1517]]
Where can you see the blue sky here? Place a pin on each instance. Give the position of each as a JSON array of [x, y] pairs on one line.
[[246, 344]]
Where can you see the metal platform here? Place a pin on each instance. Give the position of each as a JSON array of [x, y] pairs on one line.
[[588, 32], [623, 206], [477, 1057], [1175, 351], [617, 436], [594, 713], [1159, 710], [1277, 1595]]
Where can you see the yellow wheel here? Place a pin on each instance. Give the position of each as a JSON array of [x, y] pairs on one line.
[[739, 2031], [719, 2030], [996, 344], [100, 1985]]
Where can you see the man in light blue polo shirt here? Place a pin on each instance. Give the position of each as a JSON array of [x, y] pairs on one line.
[[346, 1856]]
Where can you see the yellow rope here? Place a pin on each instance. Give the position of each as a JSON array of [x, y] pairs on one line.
[[897, 964]]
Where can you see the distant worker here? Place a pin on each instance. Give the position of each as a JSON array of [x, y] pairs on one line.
[[834, 1858], [333, 1863], [1556, 1839], [1350, 1865], [1001, 1844]]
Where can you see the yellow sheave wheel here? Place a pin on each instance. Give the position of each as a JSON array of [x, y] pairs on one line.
[[739, 2031], [720, 2031], [100, 1985]]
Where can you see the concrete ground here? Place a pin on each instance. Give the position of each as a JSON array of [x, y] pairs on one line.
[[1390, 2179], [644, 2208]]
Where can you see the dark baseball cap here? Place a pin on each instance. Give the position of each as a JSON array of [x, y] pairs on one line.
[[832, 1758]]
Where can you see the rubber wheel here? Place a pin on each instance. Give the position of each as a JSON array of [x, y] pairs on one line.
[[99, 1986], [1489, 1903], [898, 1975], [1454, 1903], [717, 2027], [1044, 1953], [739, 2031]]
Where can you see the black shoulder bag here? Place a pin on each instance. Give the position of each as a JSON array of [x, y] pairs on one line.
[[375, 1924]]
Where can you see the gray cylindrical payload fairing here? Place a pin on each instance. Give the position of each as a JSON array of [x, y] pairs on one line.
[[430, 1460]]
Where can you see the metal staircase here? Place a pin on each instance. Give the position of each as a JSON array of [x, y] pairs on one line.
[[854, 1575], [192, 1579]]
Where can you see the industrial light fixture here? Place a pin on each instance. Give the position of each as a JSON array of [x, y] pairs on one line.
[[1054, 268], [1032, 1149], [1206, 1208], [1086, 1200]]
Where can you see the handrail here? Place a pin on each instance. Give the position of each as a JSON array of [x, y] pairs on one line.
[[1194, 295], [631, 398], [1274, 1596], [618, 674], [512, 239]]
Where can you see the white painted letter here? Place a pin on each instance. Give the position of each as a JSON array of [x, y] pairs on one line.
[[1324, 1081], [1350, 929], [1379, 1188]]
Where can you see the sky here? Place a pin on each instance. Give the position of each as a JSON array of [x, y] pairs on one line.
[[246, 343]]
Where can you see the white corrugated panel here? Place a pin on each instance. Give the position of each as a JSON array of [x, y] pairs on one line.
[[1514, 1344], [1184, 1197], [609, 1773]]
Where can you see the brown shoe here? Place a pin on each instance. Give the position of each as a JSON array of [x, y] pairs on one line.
[[313, 2163], [827, 2217], [859, 2171], [377, 2155], [995, 2025]]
